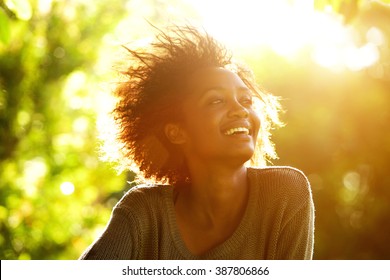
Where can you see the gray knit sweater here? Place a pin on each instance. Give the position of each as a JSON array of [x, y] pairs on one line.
[[278, 223]]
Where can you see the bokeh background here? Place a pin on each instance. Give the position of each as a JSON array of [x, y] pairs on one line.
[[329, 61]]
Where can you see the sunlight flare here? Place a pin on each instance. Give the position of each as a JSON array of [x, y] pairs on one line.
[[289, 28], [67, 188]]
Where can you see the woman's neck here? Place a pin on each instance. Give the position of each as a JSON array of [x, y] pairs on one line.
[[215, 193]]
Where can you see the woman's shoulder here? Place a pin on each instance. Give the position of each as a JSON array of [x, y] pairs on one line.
[[141, 196], [281, 173], [281, 180]]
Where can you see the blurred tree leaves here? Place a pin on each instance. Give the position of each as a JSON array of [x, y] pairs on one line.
[[337, 132], [348, 8], [47, 131], [4, 28], [21, 8]]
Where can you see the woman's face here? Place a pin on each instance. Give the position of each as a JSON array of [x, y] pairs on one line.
[[219, 122]]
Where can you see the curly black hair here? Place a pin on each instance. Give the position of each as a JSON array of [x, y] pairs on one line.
[[151, 93]]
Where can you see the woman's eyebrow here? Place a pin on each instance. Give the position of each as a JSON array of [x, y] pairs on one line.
[[217, 88], [221, 88]]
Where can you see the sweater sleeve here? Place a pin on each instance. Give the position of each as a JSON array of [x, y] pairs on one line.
[[296, 239], [118, 241], [293, 219]]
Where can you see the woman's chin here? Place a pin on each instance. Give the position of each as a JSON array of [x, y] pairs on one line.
[[239, 158]]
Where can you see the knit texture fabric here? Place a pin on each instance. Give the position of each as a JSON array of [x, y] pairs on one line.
[[278, 223]]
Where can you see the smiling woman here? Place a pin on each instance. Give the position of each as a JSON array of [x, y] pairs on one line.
[[219, 122], [191, 118]]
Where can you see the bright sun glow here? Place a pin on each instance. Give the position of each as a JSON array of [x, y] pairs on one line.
[[67, 188], [287, 27]]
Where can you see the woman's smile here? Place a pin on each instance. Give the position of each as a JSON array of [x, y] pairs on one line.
[[237, 131]]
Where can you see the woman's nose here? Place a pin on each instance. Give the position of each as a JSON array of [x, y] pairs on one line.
[[237, 110]]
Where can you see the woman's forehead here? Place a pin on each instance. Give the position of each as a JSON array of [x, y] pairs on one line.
[[214, 77]]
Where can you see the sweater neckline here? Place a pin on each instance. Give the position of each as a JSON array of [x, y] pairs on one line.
[[232, 243]]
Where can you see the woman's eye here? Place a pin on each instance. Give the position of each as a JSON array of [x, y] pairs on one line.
[[247, 101], [216, 101]]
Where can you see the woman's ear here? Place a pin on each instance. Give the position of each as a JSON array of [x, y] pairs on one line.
[[174, 133]]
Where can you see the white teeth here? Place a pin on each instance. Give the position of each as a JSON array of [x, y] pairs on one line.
[[232, 131]]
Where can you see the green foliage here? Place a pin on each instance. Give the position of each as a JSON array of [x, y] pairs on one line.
[[47, 131], [4, 28], [21, 8], [337, 133]]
